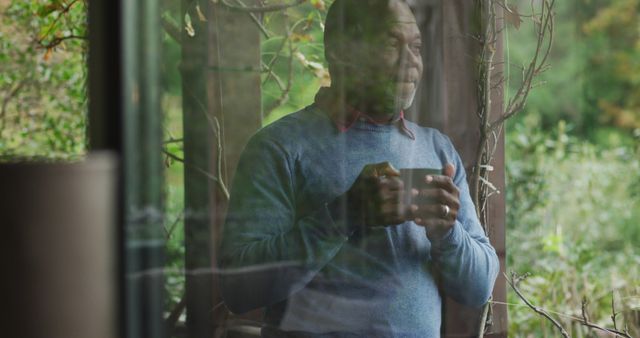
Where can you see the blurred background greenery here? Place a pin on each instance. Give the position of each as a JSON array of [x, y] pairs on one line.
[[573, 170], [42, 79], [573, 155]]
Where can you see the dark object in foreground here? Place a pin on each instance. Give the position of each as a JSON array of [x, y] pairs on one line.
[[59, 225]]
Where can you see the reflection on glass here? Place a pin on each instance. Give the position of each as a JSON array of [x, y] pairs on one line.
[[323, 229]]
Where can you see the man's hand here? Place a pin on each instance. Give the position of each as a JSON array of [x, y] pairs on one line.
[[376, 198], [436, 207]]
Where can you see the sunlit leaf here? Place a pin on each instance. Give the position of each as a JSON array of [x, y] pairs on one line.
[[188, 26]]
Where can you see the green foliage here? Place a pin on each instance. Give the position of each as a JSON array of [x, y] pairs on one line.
[[572, 187], [42, 79], [612, 37], [174, 230], [573, 212], [295, 53], [593, 80]]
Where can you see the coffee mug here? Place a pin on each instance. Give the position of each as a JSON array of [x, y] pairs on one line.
[[415, 178]]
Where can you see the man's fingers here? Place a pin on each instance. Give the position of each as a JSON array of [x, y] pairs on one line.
[[435, 212], [392, 183], [443, 182], [389, 196], [449, 170], [394, 213], [389, 203], [440, 196]]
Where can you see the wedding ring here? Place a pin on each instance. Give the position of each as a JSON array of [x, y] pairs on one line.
[[447, 210]]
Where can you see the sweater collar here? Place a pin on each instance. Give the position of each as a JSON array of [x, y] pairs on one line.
[[345, 116]]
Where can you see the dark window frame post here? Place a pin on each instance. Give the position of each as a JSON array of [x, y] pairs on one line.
[[125, 118]]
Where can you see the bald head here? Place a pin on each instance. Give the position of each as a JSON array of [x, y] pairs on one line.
[[373, 50], [354, 20]]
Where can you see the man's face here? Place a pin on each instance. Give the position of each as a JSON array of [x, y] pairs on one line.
[[385, 70]]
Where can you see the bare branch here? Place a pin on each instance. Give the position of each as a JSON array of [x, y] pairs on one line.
[[536, 66], [221, 185], [255, 19], [284, 97], [586, 322], [513, 282], [169, 231], [273, 60], [278, 54], [217, 132], [64, 10], [271, 73], [614, 314], [58, 40], [604, 329], [583, 309], [483, 319]]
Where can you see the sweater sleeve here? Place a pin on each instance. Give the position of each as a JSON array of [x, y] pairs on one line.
[[467, 262], [268, 251]]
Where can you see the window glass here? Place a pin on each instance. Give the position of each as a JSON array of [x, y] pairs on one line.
[[297, 149], [330, 168]]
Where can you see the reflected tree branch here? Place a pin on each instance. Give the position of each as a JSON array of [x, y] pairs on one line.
[[255, 19], [220, 185]]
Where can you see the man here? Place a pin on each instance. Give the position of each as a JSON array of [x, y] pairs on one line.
[[320, 230]]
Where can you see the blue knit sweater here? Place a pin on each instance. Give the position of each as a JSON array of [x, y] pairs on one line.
[[283, 249]]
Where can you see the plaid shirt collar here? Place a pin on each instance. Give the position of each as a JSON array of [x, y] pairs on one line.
[[344, 119]]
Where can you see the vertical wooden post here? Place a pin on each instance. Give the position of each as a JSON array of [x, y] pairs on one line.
[[448, 102], [234, 94], [222, 109], [497, 213], [125, 117], [233, 86], [198, 142]]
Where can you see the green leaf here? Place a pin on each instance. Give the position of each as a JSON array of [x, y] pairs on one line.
[[188, 26]]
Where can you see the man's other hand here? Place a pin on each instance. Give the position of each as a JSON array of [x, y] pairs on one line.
[[436, 206], [376, 198]]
